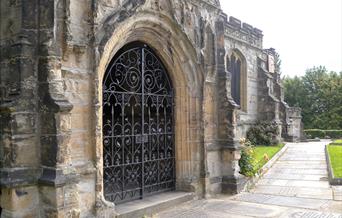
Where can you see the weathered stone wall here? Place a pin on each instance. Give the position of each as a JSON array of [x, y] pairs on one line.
[[19, 151], [53, 58], [245, 40]]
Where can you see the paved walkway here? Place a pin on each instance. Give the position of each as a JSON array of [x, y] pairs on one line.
[[296, 186]]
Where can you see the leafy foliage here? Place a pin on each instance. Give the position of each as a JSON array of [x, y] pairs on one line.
[[318, 133], [263, 133], [247, 161], [315, 133], [253, 158], [319, 94], [334, 134]]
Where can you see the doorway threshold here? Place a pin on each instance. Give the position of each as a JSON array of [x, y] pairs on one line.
[[152, 204]]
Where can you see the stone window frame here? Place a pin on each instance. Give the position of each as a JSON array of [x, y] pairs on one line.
[[243, 76]]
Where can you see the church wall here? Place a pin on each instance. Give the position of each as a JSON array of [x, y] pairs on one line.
[[245, 40], [53, 61]]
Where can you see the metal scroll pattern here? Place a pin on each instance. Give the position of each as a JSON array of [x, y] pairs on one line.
[[138, 146]]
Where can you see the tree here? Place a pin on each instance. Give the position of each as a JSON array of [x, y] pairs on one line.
[[319, 94]]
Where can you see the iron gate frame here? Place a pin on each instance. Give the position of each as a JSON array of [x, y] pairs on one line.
[[145, 137]]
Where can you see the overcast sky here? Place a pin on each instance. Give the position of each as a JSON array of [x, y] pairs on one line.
[[306, 33]]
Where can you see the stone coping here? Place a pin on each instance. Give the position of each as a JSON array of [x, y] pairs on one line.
[[332, 180], [251, 182]]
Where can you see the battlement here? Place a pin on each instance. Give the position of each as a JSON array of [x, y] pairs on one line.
[[236, 29], [294, 112]]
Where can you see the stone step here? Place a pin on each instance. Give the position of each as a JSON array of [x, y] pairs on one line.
[[153, 204]]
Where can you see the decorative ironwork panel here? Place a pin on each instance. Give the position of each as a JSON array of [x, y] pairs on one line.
[[138, 136]]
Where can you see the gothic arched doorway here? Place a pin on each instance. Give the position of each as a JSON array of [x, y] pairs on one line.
[[138, 126]]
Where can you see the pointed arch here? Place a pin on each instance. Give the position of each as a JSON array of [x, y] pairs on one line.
[[237, 67]]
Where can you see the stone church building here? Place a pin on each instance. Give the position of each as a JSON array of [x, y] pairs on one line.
[[105, 103]]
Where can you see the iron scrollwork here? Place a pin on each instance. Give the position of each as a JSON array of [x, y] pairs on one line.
[[138, 135]]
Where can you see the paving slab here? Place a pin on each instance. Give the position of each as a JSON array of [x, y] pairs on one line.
[[295, 183], [295, 177], [296, 186], [302, 192], [309, 214], [306, 203], [276, 169], [222, 208], [303, 165], [337, 193]]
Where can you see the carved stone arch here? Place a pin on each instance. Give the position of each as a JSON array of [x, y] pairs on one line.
[[236, 65], [177, 53]]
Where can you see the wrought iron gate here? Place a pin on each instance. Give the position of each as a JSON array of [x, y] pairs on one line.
[[138, 136]]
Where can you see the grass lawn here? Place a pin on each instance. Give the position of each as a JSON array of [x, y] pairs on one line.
[[262, 154], [338, 141], [335, 154]]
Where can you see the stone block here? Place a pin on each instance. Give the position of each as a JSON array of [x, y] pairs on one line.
[[63, 122], [79, 141], [19, 199], [29, 13], [10, 16], [25, 150], [77, 85], [47, 14], [214, 163], [235, 22], [71, 196], [247, 27], [52, 196], [24, 123], [80, 121], [86, 189]]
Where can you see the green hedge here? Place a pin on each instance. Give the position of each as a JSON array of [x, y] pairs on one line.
[[334, 134], [319, 133]]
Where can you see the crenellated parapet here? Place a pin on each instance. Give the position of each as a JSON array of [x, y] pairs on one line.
[[244, 32], [210, 3]]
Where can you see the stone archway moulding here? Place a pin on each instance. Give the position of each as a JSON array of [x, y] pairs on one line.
[[179, 57]]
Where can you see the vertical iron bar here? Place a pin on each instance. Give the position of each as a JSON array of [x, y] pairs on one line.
[[143, 119], [112, 138], [173, 138], [123, 144], [132, 134], [158, 144]]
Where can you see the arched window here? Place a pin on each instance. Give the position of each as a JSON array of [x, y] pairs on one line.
[[237, 67]]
